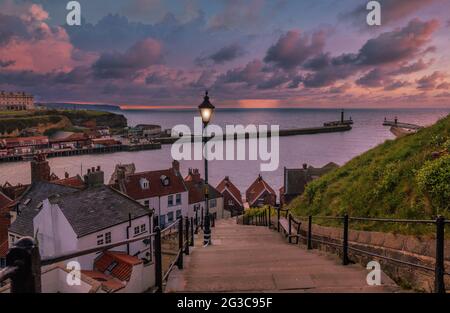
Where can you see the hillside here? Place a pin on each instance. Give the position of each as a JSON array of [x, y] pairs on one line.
[[13, 123], [404, 178]]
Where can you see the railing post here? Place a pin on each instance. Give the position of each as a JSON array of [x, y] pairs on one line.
[[439, 284], [290, 227], [309, 232], [278, 219], [201, 219], [196, 221], [180, 243], [191, 243], [345, 241], [186, 235], [25, 255], [158, 261], [268, 217]]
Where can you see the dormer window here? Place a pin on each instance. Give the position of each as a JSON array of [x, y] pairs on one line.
[[145, 184], [165, 180]]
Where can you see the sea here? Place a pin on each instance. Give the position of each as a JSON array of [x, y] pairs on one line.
[[316, 150]]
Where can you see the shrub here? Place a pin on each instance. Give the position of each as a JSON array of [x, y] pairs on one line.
[[434, 180]]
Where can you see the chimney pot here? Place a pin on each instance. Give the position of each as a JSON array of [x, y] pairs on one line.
[[305, 166], [66, 175]]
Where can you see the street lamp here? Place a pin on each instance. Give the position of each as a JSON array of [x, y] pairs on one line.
[[206, 112]]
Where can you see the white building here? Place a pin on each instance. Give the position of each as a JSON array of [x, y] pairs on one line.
[[196, 188], [163, 191]]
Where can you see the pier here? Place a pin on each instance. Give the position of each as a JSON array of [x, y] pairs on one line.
[[396, 123], [281, 133]]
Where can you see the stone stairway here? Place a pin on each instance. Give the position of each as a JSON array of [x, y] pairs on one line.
[[257, 259]]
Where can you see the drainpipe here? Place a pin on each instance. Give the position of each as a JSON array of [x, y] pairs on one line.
[[128, 232]]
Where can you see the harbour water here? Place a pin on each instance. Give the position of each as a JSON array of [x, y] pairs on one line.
[[316, 150]]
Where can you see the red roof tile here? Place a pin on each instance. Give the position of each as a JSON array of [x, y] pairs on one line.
[[122, 270], [108, 282], [156, 188], [256, 189], [75, 181], [228, 185]]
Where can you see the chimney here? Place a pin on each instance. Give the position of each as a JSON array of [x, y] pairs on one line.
[[305, 166], [195, 175], [259, 177], [66, 175], [176, 166], [40, 170], [94, 178]]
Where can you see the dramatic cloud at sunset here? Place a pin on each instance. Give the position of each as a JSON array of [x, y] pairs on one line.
[[256, 53]]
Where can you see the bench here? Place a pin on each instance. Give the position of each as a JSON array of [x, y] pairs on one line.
[[294, 231]]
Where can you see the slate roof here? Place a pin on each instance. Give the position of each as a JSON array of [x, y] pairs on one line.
[[98, 208], [33, 196], [197, 191], [296, 179]]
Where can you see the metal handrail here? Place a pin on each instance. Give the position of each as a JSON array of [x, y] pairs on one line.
[[74, 254], [8, 272]]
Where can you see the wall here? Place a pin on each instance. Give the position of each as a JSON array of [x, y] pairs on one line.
[[413, 249]]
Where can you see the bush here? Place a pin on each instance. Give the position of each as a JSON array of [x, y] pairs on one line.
[[434, 180]]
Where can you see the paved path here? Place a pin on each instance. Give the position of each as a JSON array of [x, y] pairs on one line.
[[256, 259]]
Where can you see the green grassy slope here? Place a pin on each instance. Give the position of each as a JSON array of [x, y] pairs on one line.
[[400, 178]]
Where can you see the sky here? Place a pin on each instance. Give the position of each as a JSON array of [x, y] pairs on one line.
[[247, 53]]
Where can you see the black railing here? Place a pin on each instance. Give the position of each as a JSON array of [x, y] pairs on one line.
[[344, 246], [259, 218], [23, 261]]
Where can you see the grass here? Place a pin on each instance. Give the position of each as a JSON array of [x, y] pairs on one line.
[[397, 179]]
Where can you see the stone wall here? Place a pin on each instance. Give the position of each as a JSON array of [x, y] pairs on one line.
[[413, 249]]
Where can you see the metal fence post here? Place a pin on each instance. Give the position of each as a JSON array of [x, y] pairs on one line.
[[180, 243], [439, 284], [191, 243], [309, 232], [25, 255], [278, 219], [158, 261], [290, 228], [345, 242], [268, 217], [186, 235]]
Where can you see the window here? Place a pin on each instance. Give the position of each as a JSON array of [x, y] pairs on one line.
[[178, 213], [230, 202], [110, 268], [2, 262], [162, 220], [136, 230], [170, 217], [100, 240], [108, 237], [143, 228], [213, 203], [178, 200], [170, 200], [12, 238], [147, 203]]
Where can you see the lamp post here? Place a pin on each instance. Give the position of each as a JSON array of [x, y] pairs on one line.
[[206, 111]]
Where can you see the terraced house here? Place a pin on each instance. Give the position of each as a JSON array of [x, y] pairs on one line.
[[162, 191]]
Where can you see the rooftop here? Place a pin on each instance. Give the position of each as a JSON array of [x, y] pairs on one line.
[[226, 184], [256, 189], [97, 208]]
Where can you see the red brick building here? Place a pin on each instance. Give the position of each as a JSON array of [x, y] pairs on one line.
[[260, 193], [232, 198]]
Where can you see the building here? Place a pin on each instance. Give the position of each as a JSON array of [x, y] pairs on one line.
[[260, 193], [5, 220], [197, 204], [232, 197], [73, 141], [295, 180], [16, 101], [163, 191], [145, 131], [24, 145], [104, 142], [124, 169]]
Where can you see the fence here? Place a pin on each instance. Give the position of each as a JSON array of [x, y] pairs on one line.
[[24, 262], [344, 247]]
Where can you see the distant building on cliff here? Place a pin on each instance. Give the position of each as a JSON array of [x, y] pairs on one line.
[[16, 101]]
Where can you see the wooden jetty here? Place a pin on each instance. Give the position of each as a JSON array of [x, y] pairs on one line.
[[83, 151]]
